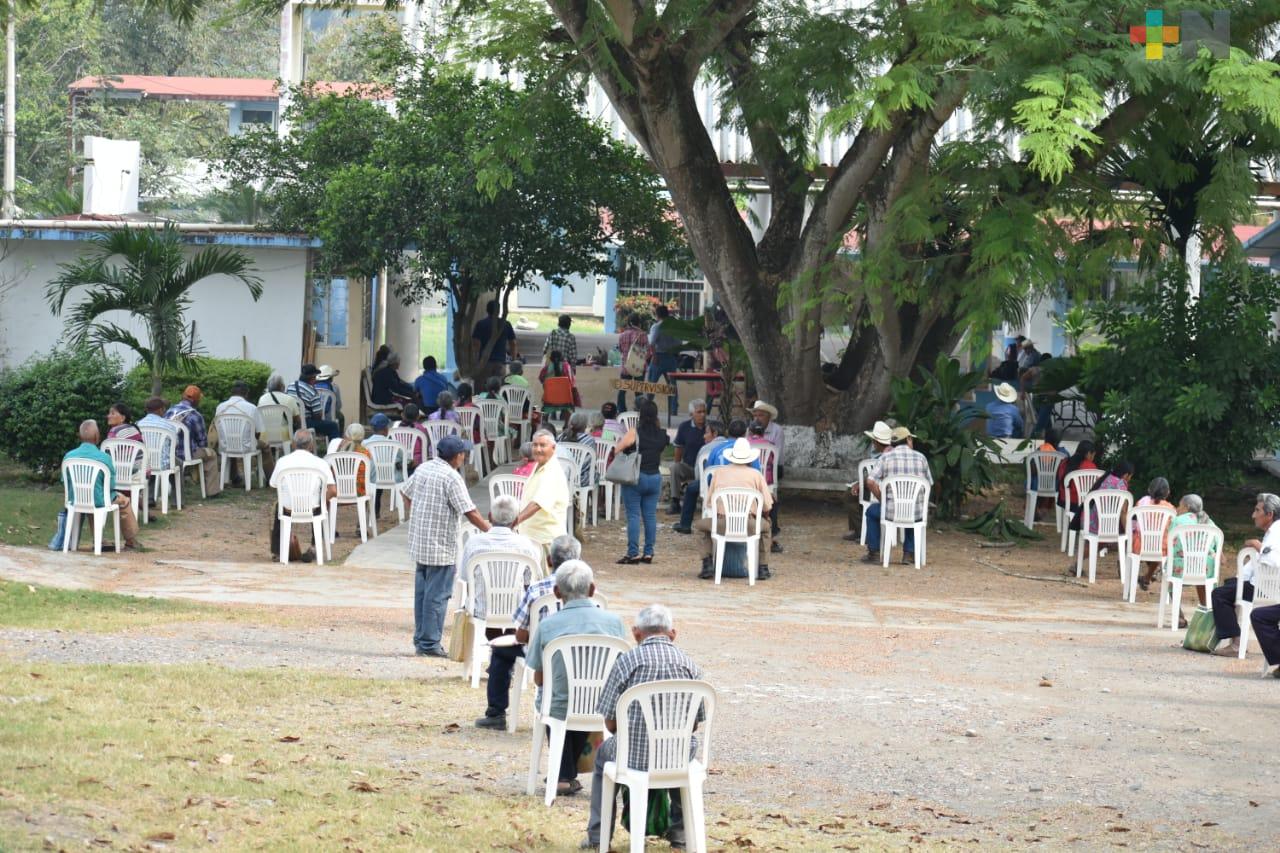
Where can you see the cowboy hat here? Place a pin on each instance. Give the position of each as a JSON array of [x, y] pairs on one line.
[[901, 434], [762, 406], [880, 433], [327, 372], [1005, 392], [742, 453]]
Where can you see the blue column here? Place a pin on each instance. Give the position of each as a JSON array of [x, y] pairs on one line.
[[557, 296], [611, 295], [450, 357]]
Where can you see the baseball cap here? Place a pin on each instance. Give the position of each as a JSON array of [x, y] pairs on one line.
[[309, 370], [450, 446], [379, 421]]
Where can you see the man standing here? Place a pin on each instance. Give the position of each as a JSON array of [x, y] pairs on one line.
[[313, 408], [185, 412], [898, 461], [575, 584], [630, 336], [739, 475], [502, 659], [655, 658], [1266, 510], [690, 437], [440, 499], [103, 492], [498, 331], [664, 351], [562, 340], [546, 493]]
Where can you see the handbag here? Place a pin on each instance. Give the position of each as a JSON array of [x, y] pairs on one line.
[[657, 813], [624, 469], [1202, 632], [636, 358]]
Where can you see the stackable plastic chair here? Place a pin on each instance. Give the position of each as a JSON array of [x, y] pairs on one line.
[[346, 466], [236, 440], [904, 504], [503, 574], [1083, 482], [506, 484], [1200, 546], [628, 420], [604, 455], [129, 458], [668, 711], [437, 430], [517, 399], [865, 498], [584, 458], [328, 403], [276, 429], [769, 465], [184, 437], [1043, 464], [739, 507], [468, 418], [494, 413], [82, 479], [1152, 523], [388, 458], [1266, 588], [1111, 508], [522, 676], [412, 440], [161, 462], [300, 495], [588, 659]]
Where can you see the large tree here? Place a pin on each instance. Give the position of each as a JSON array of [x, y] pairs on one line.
[[952, 233], [423, 193]]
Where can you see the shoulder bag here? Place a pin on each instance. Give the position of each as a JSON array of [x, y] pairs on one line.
[[624, 469]]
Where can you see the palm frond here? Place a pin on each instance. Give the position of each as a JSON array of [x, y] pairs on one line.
[[109, 333], [212, 261]]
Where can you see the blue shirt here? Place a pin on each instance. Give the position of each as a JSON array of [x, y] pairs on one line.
[[691, 438], [429, 385], [576, 617], [89, 451], [716, 456], [1004, 420]]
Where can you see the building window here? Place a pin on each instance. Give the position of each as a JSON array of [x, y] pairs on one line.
[[329, 311], [266, 117]]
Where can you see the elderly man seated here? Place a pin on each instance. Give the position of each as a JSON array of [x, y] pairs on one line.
[[502, 659], [386, 386], [656, 657], [898, 460], [1003, 418], [1266, 517], [713, 454], [500, 537], [575, 584], [275, 395], [102, 492], [185, 411], [303, 458], [737, 474], [237, 404], [690, 437]]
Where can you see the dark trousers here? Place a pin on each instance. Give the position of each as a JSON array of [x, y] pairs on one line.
[[502, 661], [329, 429], [575, 743], [622, 395], [1266, 627], [1224, 608], [689, 504]]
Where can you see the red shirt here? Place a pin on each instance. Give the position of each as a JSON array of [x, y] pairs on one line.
[[1086, 465]]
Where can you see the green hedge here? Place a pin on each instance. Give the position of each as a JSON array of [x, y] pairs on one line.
[[43, 401], [214, 376]]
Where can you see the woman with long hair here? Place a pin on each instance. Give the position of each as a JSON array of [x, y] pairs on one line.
[[649, 439]]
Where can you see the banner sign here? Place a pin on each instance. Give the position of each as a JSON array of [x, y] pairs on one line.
[[643, 387]]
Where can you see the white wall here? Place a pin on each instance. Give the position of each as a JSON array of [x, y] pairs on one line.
[[229, 324]]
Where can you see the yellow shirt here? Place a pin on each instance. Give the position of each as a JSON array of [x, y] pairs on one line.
[[547, 488]]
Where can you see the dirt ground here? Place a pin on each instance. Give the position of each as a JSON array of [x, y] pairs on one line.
[[956, 701]]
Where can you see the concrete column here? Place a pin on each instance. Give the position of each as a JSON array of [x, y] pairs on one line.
[[404, 334], [291, 67]]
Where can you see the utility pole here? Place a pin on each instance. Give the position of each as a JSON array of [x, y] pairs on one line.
[[9, 207]]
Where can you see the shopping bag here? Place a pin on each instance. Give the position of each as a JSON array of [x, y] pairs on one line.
[[461, 636], [657, 817], [587, 760], [1202, 633]]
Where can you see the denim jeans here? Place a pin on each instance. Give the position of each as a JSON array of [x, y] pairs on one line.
[[873, 532], [661, 365], [432, 586], [641, 501]]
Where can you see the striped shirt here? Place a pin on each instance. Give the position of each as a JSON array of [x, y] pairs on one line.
[[309, 397], [655, 659]]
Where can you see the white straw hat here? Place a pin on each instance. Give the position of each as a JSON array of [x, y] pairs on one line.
[[881, 433], [742, 453], [1006, 393]]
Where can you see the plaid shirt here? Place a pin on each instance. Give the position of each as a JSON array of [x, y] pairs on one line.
[[902, 461], [656, 659], [564, 341], [186, 413], [539, 588], [440, 499]]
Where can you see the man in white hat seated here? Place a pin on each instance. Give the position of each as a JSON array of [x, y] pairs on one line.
[[325, 380], [899, 460], [740, 475], [880, 436], [1003, 418]]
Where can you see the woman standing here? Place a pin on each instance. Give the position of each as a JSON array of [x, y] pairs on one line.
[[648, 439]]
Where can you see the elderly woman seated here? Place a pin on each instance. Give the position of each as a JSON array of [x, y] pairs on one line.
[[1190, 511], [1157, 495]]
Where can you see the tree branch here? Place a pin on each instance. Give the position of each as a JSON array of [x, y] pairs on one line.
[[711, 28]]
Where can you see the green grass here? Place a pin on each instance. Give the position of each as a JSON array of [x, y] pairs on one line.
[[26, 606], [28, 508], [433, 340], [433, 332]]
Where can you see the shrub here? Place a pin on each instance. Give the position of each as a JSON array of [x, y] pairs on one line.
[[961, 459], [43, 401], [642, 305], [214, 376]]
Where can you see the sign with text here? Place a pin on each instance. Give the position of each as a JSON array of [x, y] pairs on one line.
[[643, 387]]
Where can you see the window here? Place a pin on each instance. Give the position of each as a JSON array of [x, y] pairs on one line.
[[329, 311], [266, 117]]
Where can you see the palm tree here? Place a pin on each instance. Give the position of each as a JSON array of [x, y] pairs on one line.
[[153, 283]]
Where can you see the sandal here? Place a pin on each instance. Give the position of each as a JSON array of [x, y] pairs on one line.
[[647, 558], [568, 789], [628, 561]]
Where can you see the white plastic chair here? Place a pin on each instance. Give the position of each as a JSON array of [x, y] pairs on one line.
[[628, 421], [1152, 524], [161, 462], [704, 489], [584, 458], [522, 676], [1200, 547], [1042, 467], [769, 464], [346, 467], [184, 439], [436, 430], [412, 440], [129, 458], [300, 495], [588, 660], [517, 399], [571, 475], [1266, 587], [604, 455], [276, 429], [865, 498], [236, 440], [1083, 481], [503, 576], [328, 403], [468, 417], [739, 507], [506, 484], [1111, 508], [82, 477], [494, 413], [388, 457], [669, 711], [904, 505]]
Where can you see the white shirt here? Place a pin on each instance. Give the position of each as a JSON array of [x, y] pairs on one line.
[[497, 539], [239, 405], [302, 460], [1270, 553]]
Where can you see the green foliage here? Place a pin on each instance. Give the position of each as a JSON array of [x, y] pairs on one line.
[[642, 305], [214, 377], [43, 401], [1192, 389], [961, 456], [153, 283], [995, 524]]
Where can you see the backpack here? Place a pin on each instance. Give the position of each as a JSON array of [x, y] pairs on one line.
[[633, 364]]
